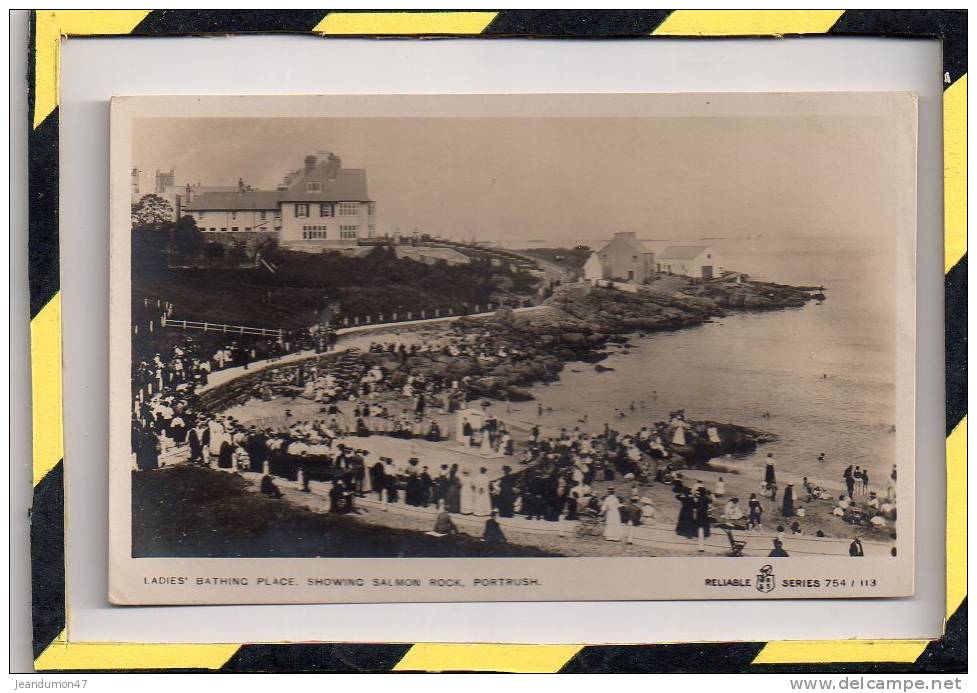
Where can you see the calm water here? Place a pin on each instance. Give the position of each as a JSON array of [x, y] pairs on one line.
[[746, 364]]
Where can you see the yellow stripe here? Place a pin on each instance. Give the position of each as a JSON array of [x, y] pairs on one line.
[[82, 656], [51, 25], [747, 22], [827, 651], [954, 173], [523, 659], [404, 23], [46, 387], [956, 518]]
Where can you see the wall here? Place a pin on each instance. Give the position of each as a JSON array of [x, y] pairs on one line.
[[222, 221], [293, 227]]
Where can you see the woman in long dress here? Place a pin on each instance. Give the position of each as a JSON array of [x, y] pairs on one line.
[[686, 526], [788, 508], [452, 496], [467, 493], [483, 496], [614, 530]]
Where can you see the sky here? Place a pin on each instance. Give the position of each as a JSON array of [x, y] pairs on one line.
[[565, 180]]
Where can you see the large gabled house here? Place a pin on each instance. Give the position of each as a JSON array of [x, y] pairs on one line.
[[327, 204], [322, 205]]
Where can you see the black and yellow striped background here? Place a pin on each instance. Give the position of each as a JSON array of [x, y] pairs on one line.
[[53, 650]]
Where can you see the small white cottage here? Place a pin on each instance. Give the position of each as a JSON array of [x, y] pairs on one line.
[[698, 261]]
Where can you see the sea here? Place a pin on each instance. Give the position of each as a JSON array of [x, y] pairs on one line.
[[821, 377]]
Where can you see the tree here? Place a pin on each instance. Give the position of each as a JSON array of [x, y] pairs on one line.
[[186, 238], [151, 211]]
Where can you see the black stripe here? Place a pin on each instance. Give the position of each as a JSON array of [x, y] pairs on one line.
[[188, 22], [42, 189], [948, 655], [955, 333], [948, 25], [336, 658], [47, 559], [664, 659], [576, 23]]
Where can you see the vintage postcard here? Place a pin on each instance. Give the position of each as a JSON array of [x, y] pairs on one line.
[[512, 347]]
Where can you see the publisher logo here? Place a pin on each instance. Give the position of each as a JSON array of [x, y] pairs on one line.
[[765, 580]]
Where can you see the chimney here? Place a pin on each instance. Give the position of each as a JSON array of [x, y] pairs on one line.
[[309, 164], [332, 168]]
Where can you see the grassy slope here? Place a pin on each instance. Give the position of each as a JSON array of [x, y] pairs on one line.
[[188, 511]]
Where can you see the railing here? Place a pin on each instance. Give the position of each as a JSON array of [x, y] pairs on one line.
[[220, 327]]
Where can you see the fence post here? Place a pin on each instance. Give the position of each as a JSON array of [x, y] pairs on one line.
[[224, 328], [150, 325], [476, 308], [367, 319], [162, 320], [422, 315], [437, 312], [408, 315], [345, 322], [135, 329], [157, 303], [380, 317], [185, 324], [356, 321], [394, 317]]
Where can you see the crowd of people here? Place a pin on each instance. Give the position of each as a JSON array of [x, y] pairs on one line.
[[358, 394]]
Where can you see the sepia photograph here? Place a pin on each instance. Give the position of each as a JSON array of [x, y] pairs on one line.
[[649, 332]]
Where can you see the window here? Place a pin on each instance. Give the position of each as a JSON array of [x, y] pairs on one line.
[[223, 228], [264, 215], [313, 187], [371, 208], [234, 229], [213, 228], [326, 210], [233, 215], [247, 228], [348, 232], [348, 209], [301, 210]]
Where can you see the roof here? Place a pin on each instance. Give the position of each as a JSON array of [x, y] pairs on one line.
[[683, 252], [250, 199], [630, 241], [349, 184]]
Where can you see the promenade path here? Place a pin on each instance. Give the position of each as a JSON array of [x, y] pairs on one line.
[[349, 337]]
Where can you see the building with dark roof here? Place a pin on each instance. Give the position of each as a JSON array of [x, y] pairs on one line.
[[323, 204]]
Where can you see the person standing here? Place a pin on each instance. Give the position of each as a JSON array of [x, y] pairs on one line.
[[505, 501], [855, 549], [755, 513], [788, 506], [611, 509], [770, 474], [849, 480], [452, 497], [482, 501]]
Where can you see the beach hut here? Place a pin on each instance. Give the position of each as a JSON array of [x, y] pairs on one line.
[[475, 417]]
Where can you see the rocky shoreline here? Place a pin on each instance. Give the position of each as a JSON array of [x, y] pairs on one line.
[[577, 324]]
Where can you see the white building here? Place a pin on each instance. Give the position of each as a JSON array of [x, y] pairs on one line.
[[321, 205], [698, 261], [624, 258]]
